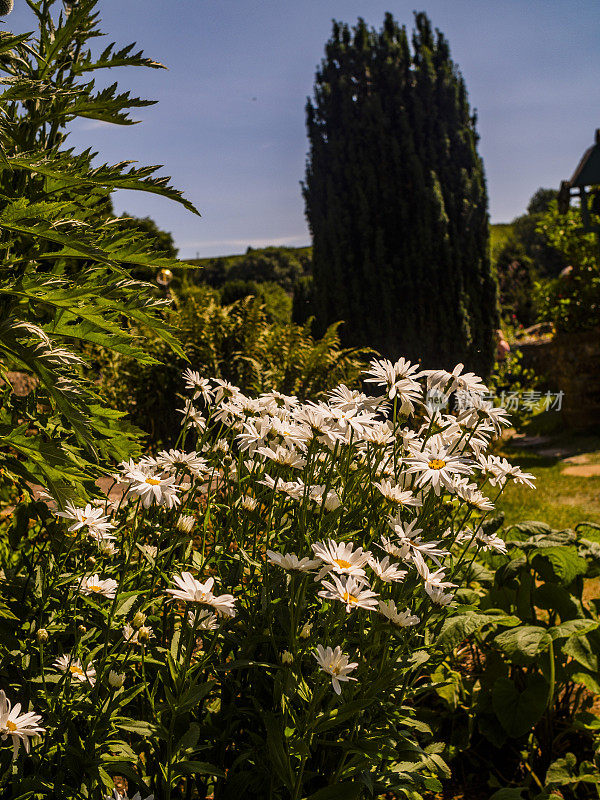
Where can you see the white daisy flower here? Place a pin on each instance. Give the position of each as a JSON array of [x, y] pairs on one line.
[[344, 399], [247, 502], [285, 401], [386, 571], [468, 381], [403, 619], [434, 582], [205, 620], [291, 434], [281, 455], [21, 727], [409, 542], [254, 434], [379, 435], [174, 459], [225, 390], [473, 407], [89, 517], [151, 488], [398, 495], [469, 492], [93, 585], [391, 376], [106, 548], [500, 470], [201, 386], [76, 670], [192, 416], [334, 663], [150, 551], [341, 558], [330, 501], [291, 563], [350, 591], [490, 541], [353, 421], [437, 467], [192, 591]]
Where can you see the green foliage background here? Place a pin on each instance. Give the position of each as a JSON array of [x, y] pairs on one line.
[[65, 263]]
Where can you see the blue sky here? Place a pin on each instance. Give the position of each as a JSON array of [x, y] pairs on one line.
[[229, 124]]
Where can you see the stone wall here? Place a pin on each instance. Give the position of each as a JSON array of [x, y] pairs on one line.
[[570, 362]]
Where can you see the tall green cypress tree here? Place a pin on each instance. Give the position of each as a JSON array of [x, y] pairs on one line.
[[396, 200]]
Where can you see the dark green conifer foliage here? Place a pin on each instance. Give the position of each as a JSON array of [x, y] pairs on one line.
[[396, 199]]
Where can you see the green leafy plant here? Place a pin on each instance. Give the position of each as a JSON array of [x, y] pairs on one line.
[[522, 670], [572, 300], [254, 614], [511, 382], [65, 264], [237, 343]]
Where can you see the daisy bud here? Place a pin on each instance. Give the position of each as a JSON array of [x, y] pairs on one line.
[[6, 6], [138, 619], [81, 629], [115, 679], [42, 636], [144, 634], [91, 561], [286, 657], [306, 630], [185, 524]]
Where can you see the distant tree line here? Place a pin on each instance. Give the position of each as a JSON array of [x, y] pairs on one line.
[[526, 256]]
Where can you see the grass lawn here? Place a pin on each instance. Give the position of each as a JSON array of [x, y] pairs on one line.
[[561, 500]]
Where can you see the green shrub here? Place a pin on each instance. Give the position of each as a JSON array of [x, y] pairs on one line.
[[237, 343], [510, 384], [65, 266], [572, 300], [522, 663]]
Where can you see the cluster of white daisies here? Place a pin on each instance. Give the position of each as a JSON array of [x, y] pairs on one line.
[[439, 458], [291, 449]]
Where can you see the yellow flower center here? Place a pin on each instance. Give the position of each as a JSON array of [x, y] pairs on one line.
[[350, 598], [75, 670], [95, 588], [11, 725], [437, 463], [342, 564], [84, 519], [153, 481], [334, 669]]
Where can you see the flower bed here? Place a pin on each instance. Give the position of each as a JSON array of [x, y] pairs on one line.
[[253, 613]]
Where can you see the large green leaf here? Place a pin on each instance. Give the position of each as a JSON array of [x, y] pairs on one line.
[[579, 648], [522, 644], [571, 627], [561, 564], [458, 628], [518, 711]]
